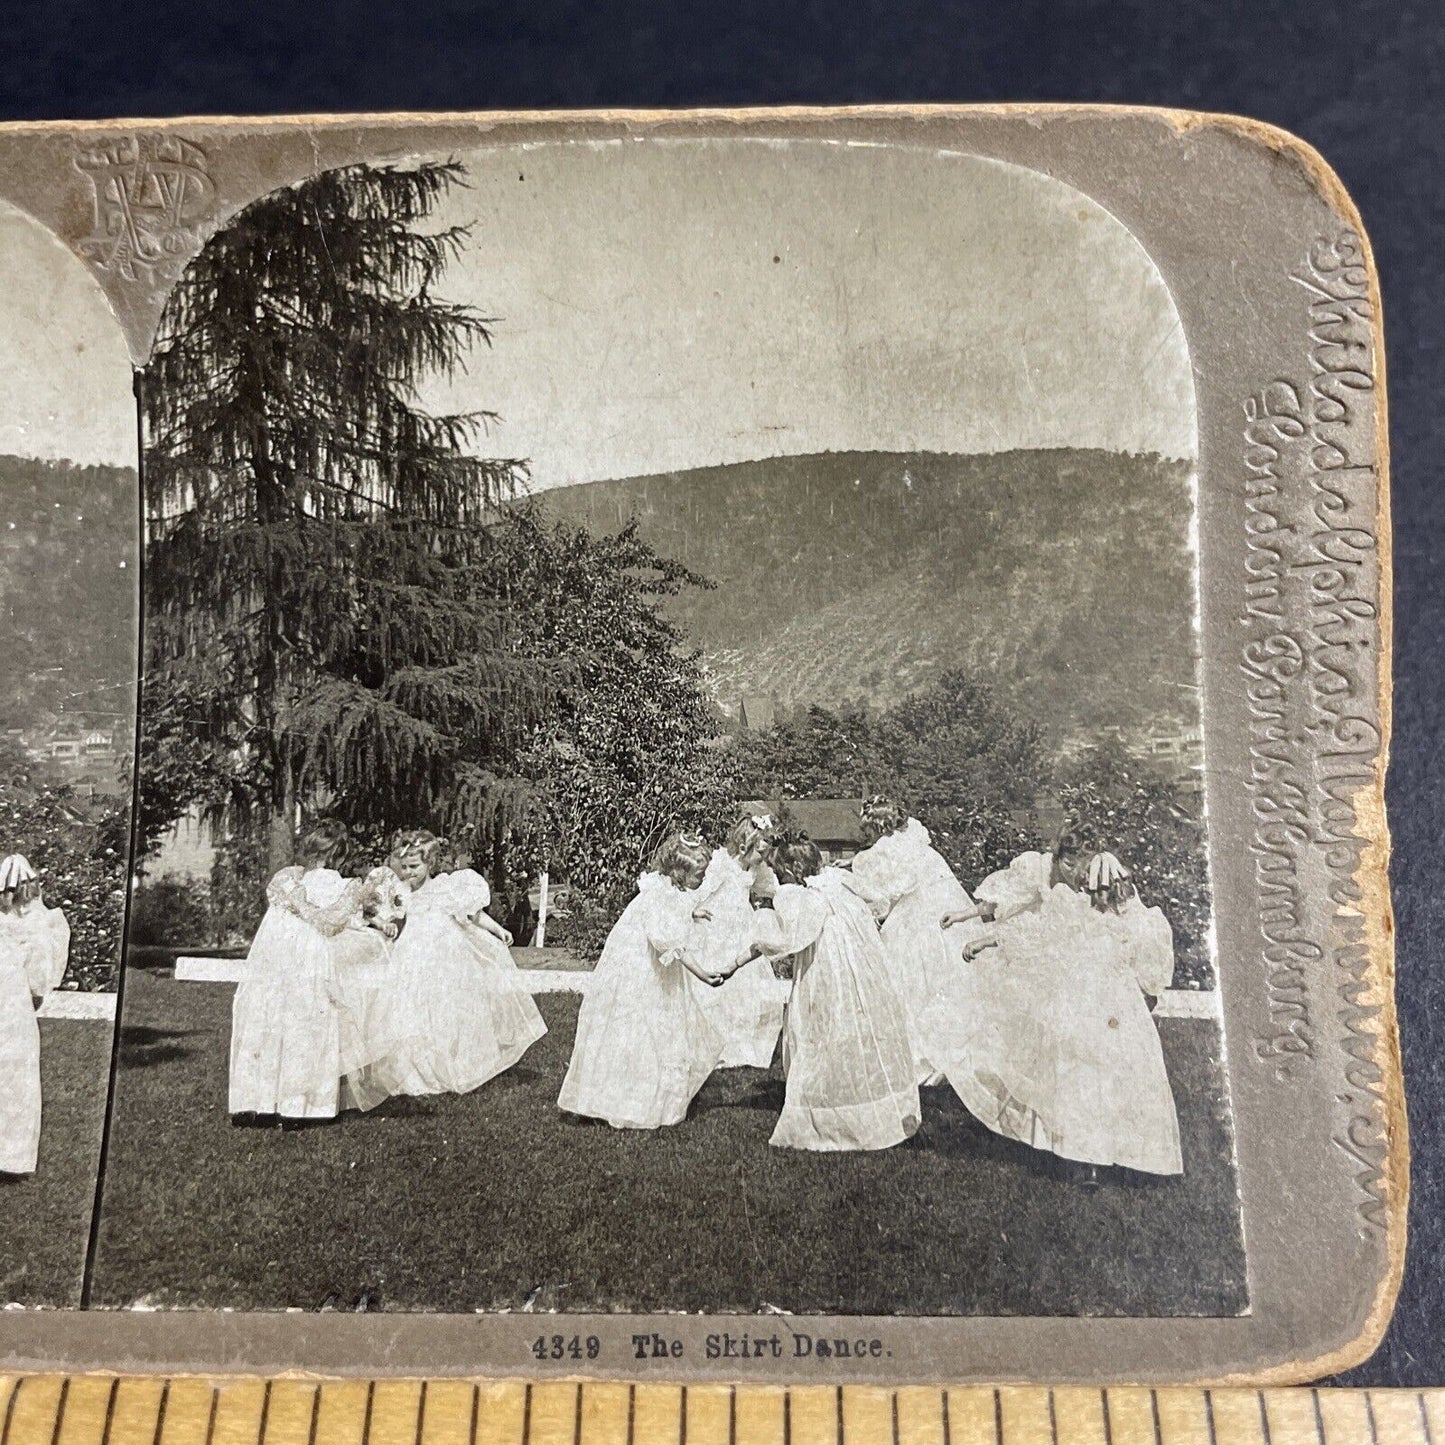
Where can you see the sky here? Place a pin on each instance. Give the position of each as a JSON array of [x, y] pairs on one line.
[[665, 305], [65, 374], [672, 304]]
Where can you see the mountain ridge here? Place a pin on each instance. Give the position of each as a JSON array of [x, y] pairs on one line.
[[1064, 576]]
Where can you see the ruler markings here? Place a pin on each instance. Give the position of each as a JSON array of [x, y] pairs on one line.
[[10, 1404], [110, 1400], [102, 1410], [83, 1421], [160, 1412], [290, 1407], [1397, 1417], [60, 1411], [1180, 1418], [1343, 1416], [1238, 1417], [1077, 1416]]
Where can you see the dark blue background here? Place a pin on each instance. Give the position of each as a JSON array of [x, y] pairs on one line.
[[1362, 82]]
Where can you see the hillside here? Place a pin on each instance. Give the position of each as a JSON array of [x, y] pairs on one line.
[[1063, 575], [68, 574]]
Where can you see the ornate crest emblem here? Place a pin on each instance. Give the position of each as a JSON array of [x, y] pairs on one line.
[[151, 194]]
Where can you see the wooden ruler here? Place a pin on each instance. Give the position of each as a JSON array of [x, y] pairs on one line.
[[107, 1410]]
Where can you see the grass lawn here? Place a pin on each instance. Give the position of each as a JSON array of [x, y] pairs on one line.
[[47, 1214], [495, 1199]]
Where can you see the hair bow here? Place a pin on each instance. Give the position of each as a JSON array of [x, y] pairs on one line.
[[761, 821]]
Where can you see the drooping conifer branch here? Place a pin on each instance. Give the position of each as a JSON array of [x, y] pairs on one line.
[[313, 607]]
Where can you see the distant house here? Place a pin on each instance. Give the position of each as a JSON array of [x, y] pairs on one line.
[[832, 823]]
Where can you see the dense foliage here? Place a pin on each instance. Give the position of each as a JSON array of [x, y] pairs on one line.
[[1157, 828], [312, 620], [70, 538], [78, 847], [954, 755], [970, 769], [624, 756]]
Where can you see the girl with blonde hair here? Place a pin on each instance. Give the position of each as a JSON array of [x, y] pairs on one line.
[[458, 1002]]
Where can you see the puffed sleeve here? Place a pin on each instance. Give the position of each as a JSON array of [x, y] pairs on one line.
[[797, 918], [285, 888], [467, 893], [327, 918], [666, 919], [881, 879], [1013, 889], [1149, 941]]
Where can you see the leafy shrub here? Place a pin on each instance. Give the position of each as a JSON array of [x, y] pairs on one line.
[[172, 910], [1156, 828], [79, 847]]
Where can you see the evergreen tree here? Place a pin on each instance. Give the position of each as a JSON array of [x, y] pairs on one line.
[[311, 590]]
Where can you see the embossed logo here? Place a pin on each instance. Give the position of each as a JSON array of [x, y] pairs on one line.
[[151, 195]]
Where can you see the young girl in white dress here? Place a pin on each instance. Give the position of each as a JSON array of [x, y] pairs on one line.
[[645, 1044], [364, 959], [748, 1013], [34, 949], [851, 1077], [915, 896], [460, 1004], [1063, 1053], [286, 1024]]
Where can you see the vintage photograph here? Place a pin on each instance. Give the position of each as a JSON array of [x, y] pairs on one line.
[[671, 758], [69, 549]]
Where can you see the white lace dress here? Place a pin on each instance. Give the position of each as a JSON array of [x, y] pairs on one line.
[[34, 949], [911, 887], [645, 1044], [851, 1076], [286, 1028], [748, 1009], [459, 1005], [1062, 1052]]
